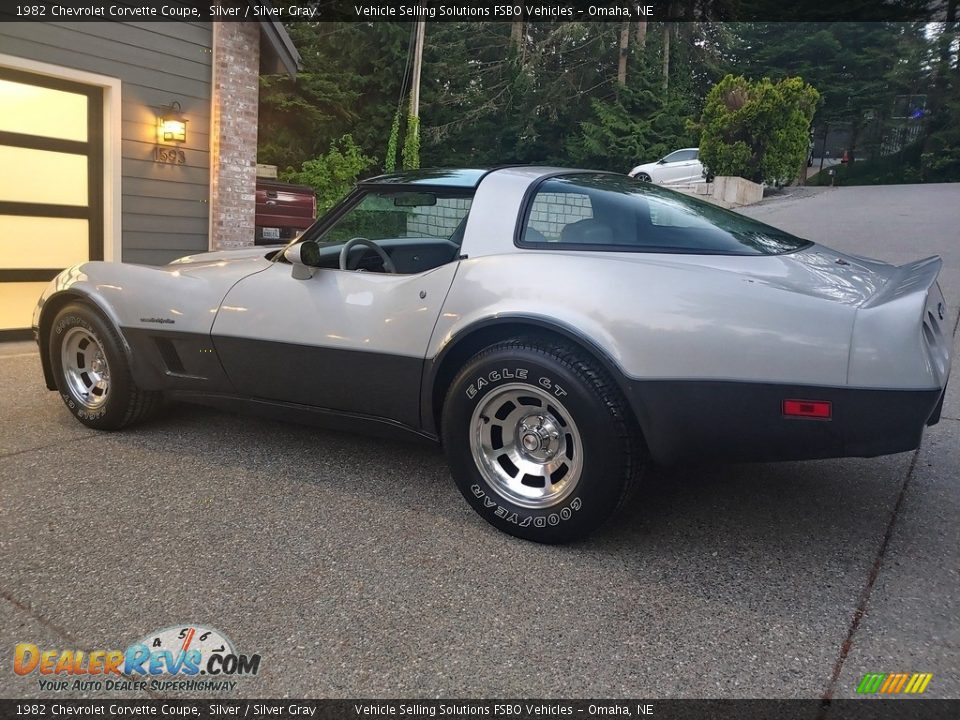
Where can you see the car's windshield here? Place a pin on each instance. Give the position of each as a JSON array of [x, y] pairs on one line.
[[613, 212], [383, 214]]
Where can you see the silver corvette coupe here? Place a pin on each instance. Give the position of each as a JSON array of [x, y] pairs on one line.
[[555, 329]]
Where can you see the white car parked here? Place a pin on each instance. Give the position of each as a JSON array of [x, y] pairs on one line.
[[680, 166]]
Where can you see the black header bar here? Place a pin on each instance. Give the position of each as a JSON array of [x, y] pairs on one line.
[[867, 709], [471, 10]]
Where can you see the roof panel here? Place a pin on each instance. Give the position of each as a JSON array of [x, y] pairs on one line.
[[445, 177]]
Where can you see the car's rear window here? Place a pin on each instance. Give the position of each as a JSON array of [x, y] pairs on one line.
[[599, 211]]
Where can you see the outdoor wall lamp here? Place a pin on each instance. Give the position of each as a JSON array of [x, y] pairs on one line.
[[172, 125]]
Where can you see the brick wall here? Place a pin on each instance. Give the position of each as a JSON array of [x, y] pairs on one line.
[[552, 212], [233, 134], [438, 220]]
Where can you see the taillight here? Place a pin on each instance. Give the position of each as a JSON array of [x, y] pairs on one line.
[[814, 409]]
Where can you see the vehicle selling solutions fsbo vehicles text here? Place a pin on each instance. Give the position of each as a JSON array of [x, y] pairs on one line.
[[527, 11]]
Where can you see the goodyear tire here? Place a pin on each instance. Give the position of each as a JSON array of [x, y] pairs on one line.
[[92, 372], [539, 440]]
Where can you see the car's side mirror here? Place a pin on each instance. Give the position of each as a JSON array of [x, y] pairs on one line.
[[661, 161], [304, 257]]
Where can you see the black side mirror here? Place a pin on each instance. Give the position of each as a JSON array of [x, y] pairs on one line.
[[310, 253]]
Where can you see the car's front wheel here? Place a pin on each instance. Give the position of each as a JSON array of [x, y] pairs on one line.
[[644, 177], [539, 440], [92, 372]]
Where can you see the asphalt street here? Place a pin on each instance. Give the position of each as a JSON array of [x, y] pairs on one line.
[[354, 567]]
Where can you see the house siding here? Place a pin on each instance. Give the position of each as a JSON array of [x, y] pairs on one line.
[[165, 208]]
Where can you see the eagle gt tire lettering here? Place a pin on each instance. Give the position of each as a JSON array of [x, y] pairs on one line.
[[539, 440], [92, 373]]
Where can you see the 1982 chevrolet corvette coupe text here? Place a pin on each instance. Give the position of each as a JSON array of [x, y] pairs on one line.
[[555, 329]]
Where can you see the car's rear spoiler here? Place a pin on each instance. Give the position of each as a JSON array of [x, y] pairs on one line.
[[913, 277], [901, 337]]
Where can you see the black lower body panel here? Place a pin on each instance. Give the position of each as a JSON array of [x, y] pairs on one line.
[[694, 420], [351, 381], [307, 415]]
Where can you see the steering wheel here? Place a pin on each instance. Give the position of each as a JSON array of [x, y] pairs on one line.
[[351, 244]]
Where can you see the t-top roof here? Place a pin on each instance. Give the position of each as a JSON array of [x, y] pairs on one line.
[[467, 178]]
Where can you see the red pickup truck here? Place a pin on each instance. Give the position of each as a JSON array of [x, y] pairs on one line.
[[283, 211]]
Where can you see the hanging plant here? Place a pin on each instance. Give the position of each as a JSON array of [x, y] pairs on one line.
[[411, 144], [390, 164]]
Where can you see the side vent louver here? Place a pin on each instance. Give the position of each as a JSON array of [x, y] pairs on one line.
[[171, 358]]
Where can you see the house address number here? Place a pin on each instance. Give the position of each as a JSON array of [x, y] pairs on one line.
[[169, 156]]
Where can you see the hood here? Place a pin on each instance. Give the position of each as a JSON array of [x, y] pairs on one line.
[[258, 251], [645, 167]]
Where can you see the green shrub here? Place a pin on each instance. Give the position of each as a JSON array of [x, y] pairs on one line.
[[333, 174], [757, 130]]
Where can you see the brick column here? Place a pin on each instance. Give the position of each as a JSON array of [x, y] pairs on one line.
[[233, 133]]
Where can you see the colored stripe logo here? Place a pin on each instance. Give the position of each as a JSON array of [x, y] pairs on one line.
[[894, 683]]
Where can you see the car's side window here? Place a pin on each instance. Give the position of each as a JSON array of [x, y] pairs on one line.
[[383, 215], [604, 211], [681, 156], [555, 213]]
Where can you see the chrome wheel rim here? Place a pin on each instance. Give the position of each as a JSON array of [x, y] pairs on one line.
[[526, 445], [85, 367]]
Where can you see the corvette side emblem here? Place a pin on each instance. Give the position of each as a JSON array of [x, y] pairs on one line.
[[940, 310]]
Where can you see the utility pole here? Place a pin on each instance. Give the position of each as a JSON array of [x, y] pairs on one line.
[[417, 63], [666, 55], [624, 47], [411, 144]]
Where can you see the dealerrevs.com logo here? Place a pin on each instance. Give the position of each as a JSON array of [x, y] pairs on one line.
[[183, 657]]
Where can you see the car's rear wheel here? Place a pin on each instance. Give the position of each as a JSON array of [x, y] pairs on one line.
[[92, 372], [539, 440], [643, 177]]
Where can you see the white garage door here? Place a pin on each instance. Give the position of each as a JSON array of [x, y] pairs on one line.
[[51, 186]]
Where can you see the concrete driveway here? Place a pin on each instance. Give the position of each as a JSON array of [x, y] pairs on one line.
[[355, 568]]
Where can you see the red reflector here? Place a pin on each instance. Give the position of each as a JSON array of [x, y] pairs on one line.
[[821, 409]]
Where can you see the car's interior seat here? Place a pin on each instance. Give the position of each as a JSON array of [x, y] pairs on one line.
[[531, 234], [587, 232]]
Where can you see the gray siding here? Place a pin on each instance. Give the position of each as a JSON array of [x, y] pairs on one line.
[[165, 207]]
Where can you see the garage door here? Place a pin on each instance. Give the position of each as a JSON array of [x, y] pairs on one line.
[[51, 187]]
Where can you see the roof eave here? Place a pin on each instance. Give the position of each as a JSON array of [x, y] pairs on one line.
[[282, 47]]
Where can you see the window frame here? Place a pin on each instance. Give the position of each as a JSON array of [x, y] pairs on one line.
[[526, 207]]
